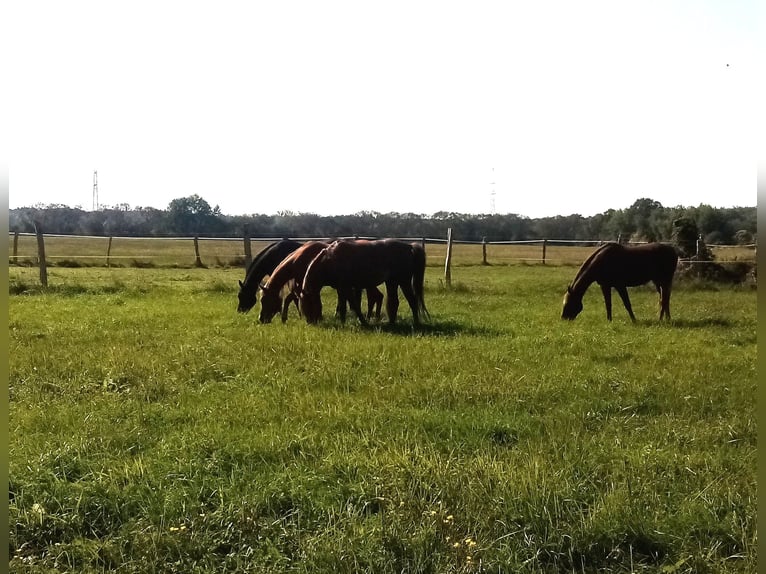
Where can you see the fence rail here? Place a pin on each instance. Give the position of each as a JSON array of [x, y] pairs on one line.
[[72, 250]]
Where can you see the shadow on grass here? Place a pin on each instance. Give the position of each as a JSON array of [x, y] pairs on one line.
[[405, 327], [703, 323]]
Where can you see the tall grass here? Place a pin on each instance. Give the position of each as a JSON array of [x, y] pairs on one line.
[[153, 429]]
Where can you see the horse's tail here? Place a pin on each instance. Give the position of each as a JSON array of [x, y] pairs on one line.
[[418, 276]]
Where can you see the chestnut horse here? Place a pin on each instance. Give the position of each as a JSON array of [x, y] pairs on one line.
[[291, 272], [263, 264], [621, 266], [353, 265]]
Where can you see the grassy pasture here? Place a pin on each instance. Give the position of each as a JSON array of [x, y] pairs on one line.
[[153, 429]]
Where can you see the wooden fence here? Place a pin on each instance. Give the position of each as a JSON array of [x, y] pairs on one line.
[[40, 249]]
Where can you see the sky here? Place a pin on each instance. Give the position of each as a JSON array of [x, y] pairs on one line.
[[535, 108]]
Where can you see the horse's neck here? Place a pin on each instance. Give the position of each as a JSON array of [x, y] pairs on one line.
[[582, 281], [252, 279], [255, 273], [587, 272], [314, 278], [282, 274], [263, 264]]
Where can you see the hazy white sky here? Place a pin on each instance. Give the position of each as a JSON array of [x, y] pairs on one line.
[[337, 107]]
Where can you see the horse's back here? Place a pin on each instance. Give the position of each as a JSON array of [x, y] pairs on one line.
[[269, 258], [617, 264], [370, 262], [294, 265], [304, 255], [661, 258]]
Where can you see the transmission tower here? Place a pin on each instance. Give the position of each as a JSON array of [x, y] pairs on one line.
[[492, 193], [95, 191]]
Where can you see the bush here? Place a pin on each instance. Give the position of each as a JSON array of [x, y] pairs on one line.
[[737, 272]]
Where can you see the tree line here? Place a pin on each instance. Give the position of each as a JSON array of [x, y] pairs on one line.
[[645, 220]]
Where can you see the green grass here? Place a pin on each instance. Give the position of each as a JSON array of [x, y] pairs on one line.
[[154, 429]]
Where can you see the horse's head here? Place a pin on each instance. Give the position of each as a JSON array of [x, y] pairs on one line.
[[271, 303], [247, 298], [572, 305], [311, 306]]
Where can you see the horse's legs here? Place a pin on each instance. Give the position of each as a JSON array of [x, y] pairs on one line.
[[374, 302], [340, 309], [392, 301], [623, 291], [664, 301], [607, 291], [370, 303], [291, 298], [379, 303], [297, 295], [412, 299], [354, 298]]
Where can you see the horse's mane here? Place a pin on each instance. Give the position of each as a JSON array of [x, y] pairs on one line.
[[255, 271], [256, 262], [290, 264], [586, 264], [315, 269]]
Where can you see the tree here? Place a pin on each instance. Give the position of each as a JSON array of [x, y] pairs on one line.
[[743, 237], [714, 225], [192, 215], [685, 235], [643, 217]]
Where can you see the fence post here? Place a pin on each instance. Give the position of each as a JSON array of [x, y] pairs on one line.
[[197, 261], [619, 238], [15, 246], [41, 255], [423, 243], [483, 250], [545, 243], [248, 251], [448, 261], [699, 241], [109, 251]]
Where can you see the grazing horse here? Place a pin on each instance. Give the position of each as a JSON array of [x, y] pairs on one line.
[[263, 264], [621, 266], [349, 266], [290, 272]]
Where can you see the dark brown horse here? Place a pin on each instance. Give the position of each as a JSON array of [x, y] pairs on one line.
[[349, 266], [291, 272], [263, 264], [621, 266]]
